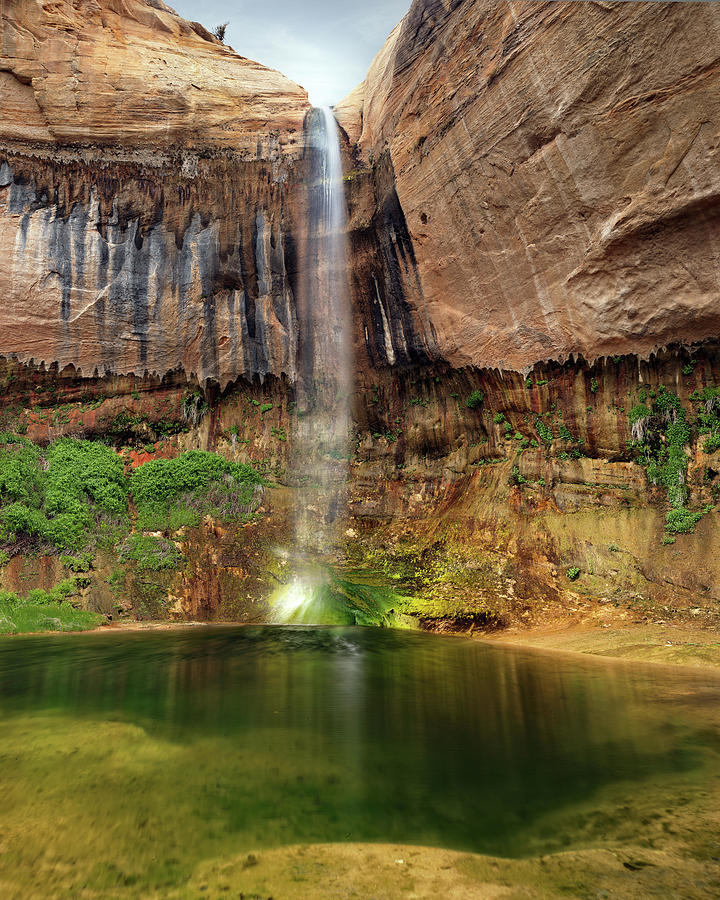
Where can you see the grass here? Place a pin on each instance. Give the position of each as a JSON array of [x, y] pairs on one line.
[[44, 611]]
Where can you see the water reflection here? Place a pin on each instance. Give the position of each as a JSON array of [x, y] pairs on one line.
[[304, 734]]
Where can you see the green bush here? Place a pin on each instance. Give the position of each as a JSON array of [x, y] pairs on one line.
[[499, 418], [573, 573], [57, 496], [544, 431], [151, 553], [681, 520], [172, 493], [475, 399]]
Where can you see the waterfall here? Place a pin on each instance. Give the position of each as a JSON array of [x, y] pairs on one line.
[[321, 441]]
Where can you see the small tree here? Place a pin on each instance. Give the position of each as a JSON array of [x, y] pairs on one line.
[[219, 31]]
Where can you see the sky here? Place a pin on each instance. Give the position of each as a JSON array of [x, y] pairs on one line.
[[324, 45]]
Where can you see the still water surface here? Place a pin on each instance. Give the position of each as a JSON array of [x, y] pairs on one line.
[[133, 756]]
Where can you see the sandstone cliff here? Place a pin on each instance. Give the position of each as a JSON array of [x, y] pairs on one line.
[[558, 168], [145, 181], [532, 190], [132, 72]]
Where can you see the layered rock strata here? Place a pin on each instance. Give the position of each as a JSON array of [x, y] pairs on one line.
[[532, 190], [557, 165]]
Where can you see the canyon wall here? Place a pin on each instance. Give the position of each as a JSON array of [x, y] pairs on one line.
[[146, 188], [532, 191], [558, 168]]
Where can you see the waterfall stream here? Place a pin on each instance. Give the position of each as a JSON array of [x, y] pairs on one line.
[[319, 463]]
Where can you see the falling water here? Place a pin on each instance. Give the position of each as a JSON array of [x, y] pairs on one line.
[[319, 466]]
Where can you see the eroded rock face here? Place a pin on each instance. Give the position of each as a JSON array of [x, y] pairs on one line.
[[557, 165], [132, 72], [146, 195], [525, 182], [141, 272]]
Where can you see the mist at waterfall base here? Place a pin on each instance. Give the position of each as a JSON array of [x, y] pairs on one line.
[[319, 461]]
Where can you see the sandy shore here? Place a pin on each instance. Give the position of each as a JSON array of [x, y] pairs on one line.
[[668, 644]]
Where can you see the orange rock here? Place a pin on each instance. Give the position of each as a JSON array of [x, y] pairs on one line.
[[134, 73], [558, 166]]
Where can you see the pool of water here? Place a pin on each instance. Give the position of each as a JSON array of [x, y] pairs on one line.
[[127, 758]]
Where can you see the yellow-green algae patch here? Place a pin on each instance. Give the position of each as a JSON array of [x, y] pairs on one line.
[[100, 807]]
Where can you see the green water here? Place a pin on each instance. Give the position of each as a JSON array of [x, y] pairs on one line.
[[127, 759]]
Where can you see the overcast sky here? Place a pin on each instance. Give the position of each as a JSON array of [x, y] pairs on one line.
[[324, 45]]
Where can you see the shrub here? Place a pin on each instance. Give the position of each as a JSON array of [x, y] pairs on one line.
[[593, 385], [681, 520], [171, 493], [151, 553], [573, 573], [499, 418], [219, 31], [475, 399], [712, 443], [544, 431]]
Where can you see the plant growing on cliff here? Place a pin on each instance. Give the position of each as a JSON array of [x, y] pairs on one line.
[[475, 399], [219, 31], [573, 573], [660, 435], [194, 408], [544, 431], [708, 416], [151, 553], [171, 493], [59, 496]]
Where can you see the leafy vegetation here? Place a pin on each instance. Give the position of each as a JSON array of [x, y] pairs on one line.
[[660, 434], [44, 611], [171, 493], [475, 399], [573, 573], [151, 553], [194, 407], [544, 431], [61, 495], [73, 496]]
